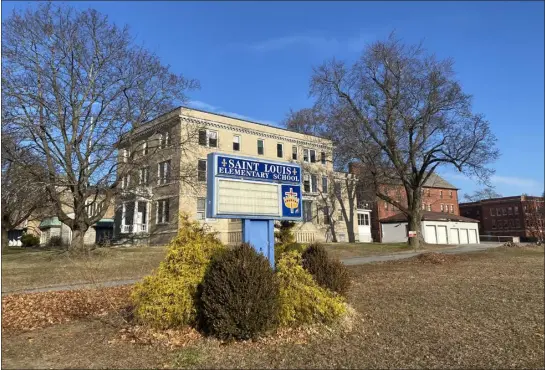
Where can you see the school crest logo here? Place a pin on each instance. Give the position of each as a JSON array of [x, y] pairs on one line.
[[291, 200]]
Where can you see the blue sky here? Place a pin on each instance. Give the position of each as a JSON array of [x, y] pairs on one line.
[[254, 60]]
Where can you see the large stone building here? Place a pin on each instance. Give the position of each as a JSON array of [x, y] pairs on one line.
[[165, 174], [520, 216], [438, 196]]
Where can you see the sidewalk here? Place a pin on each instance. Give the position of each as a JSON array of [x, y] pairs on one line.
[[347, 261]]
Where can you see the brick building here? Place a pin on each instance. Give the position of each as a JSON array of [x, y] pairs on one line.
[[438, 195], [520, 216]]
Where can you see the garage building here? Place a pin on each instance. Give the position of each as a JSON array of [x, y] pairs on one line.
[[437, 228]]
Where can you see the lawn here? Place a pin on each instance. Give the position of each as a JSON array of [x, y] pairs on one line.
[[35, 268], [32, 268], [482, 310], [349, 250]]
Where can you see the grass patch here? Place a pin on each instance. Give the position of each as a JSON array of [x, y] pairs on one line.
[[482, 311], [34, 268], [350, 250]]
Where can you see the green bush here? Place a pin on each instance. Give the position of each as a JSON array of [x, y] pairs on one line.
[[239, 295], [29, 240], [54, 241], [302, 300], [284, 233], [327, 272], [168, 297]]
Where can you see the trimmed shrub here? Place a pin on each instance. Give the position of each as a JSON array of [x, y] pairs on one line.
[[167, 298], [328, 273], [29, 240], [302, 300], [284, 234], [239, 297]]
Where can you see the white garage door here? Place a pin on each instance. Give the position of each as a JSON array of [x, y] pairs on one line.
[[463, 236], [430, 236], [454, 236], [441, 234], [472, 236]]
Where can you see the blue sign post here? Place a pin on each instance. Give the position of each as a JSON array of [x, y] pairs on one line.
[[256, 191]]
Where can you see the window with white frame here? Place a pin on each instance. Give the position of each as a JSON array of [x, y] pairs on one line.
[[165, 140], [236, 143], [325, 211], [201, 208], [145, 147], [163, 211], [429, 207], [306, 183], [450, 194], [163, 172], [442, 208], [423, 206], [260, 147], [324, 184], [294, 152], [307, 210], [504, 211], [313, 183], [126, 155], [280, 150], [363, 219], [340, 216], [208, 138], [452, 208], [385, 205], [144, 176], [312, 156], [305, 155], [201, 170], [125, 181]]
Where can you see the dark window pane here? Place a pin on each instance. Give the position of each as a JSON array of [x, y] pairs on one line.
[[314, 185], [312, 156], [260, 147], [202, 137], [294, 153], [324, 184], [279, 150], [201, 172], [323, 157]]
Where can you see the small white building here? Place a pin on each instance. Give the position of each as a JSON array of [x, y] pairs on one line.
[[437, 228]]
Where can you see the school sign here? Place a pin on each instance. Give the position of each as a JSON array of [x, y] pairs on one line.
[[256, 191]]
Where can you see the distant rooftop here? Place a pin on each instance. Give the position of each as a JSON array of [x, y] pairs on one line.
[[428, 216]]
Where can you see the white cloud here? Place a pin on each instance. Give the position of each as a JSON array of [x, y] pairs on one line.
[[321, 43], [215, 109]]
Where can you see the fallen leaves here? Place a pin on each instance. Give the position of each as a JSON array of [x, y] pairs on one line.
[[36, 310]]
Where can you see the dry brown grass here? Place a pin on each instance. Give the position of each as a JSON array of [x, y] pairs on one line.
[[27, 269], [350, 250], [484, 310]]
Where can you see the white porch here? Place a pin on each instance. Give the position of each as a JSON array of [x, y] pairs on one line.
[[135, 217]]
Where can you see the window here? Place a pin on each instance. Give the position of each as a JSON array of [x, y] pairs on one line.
[[385, 205], [312, 156], [325, 210], [442, 207], [337, 188], [165, 140], [201, 170], [306, 183], [492, 213], [163, 172], [279, 150], [324, 184], [208, 138], [363, 219], [441, 194], [516, 210], [452, 208], [493, 223], [212, 139], [125, 181], [236, 143], [201, 208], [144, 176], [423, 206], [260, 147], [294, 152], [340, 217], [322, 157], [450, 194], [313, 183], [163, 211], [126, 155], [305, 155], [510, 211], [307, 210], [504, 211], [429, 207], [145, 148], [429, 192]]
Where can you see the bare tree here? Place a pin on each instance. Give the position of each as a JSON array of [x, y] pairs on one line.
[[22, 193], [72, 85], [402, 114], [482, 194]]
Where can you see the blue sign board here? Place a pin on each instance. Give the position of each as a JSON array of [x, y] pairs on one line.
[[257, 170], [251, 188]]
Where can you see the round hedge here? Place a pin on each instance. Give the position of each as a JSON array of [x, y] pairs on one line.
[[239, 296]]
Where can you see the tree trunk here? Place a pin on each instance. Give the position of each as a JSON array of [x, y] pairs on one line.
[[5, 239], [415, 224], [351, 233], [332, 229], [77, 239]]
